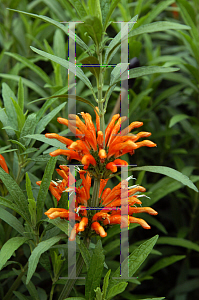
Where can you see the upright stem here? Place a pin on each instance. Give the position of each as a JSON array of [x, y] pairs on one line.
[[96, 186], [100, 95]]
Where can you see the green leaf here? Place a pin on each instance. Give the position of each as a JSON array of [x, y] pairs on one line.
[[7, 94], [158, 8], [20, 115], [85, 254], [45, 120], [37, 252], [135, 260], [15, 192], [168, 172], [20, 296], [75, 37], [68, 65], [77, 4], [105, 7], [105, 284], [94, 274], [42, 138], [116, 289], [95, 9], [157, 26], [178, 242], [28, 128], [27, 62], [29, 187], [44, 186], [27, 82], [20, 94], [9, 248], [5, 121], [92, 60], [116, 42], [164, 262], [98, 294], [93, 26], [18, 143], [11, 220], [7, 203], [109, 11], [61, 224], [177, 118], [188, 14]]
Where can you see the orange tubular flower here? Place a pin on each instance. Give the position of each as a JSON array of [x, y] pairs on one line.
[[98, 153], [110, 200], [3, 164]]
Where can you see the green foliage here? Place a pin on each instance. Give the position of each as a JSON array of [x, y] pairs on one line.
[[34, 64]]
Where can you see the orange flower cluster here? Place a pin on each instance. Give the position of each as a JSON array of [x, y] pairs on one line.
[[98, 153], [109, 199]]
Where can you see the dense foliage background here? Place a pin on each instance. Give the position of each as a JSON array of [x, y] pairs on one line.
[[167, 103]]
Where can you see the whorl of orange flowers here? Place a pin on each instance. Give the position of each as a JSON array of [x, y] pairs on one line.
[[89, 149], [109, 212]]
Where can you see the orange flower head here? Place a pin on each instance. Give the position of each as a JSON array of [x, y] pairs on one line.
[[96, 151]]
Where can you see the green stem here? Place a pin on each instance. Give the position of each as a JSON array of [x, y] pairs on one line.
[[52, 291], [100, 95], [16, 283], [95, 198], [70, 282]]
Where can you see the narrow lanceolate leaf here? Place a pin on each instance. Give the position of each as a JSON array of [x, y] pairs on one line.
[[31, 66], [157, 26], [5, 121], [179, 242], [135, 260], [37, 252], [28, 128], [105, 283], [93, 26], [45, 120], [20, 115], [9, 248], [59, 25], [116, 42], [170, 173], [61, 224], [93, 277], [143, 71], [177, 118], [15, 192], [109, 12], [77, 4], [116, 289], [44, 186], [29, 187], [27, 82], [7, 94], [42, 138], [164, 262], [7, 203], [105, 7], [20, 95], [11, 220], [85, 254], [68, 65]]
